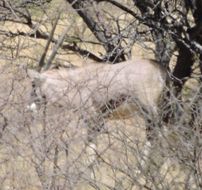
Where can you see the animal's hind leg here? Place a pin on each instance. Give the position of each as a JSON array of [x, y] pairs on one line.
[[153, 123], [152, 153], [148, 143], [152, 128]]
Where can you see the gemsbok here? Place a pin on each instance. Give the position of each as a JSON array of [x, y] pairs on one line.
[[95, 90]]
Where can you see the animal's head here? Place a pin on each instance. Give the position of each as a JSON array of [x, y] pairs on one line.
[[37, 97]]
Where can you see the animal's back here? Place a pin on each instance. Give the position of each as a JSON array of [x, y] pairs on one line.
[[142, 79]]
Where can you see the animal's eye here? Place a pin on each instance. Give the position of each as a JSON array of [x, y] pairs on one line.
[[33, 85]]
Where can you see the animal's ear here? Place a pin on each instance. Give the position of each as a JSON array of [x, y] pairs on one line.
[[35, 76]]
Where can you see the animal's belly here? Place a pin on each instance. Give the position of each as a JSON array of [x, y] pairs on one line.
[[124, 111]]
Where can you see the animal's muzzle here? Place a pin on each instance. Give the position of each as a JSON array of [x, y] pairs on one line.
[[32, 107]]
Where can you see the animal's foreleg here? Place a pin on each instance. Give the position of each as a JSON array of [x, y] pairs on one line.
[[94, 126]]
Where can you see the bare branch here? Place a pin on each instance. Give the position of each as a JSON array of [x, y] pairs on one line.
[[43, 56]]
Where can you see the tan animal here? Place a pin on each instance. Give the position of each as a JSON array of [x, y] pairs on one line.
[[95, 90]]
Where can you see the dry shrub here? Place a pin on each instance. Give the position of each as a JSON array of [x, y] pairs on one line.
[[50, 149]]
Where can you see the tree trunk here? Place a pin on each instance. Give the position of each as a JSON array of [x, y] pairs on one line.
[[183, 68], [114, 50]]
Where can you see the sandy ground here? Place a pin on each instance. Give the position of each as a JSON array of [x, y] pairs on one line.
[[38, 153]]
